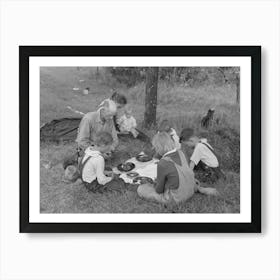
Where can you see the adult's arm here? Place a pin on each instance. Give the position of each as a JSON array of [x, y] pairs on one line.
[[115, 138], [83, 138], [161, 173]]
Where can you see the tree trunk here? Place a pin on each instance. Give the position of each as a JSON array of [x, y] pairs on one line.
[[237, 89], [151, 97]]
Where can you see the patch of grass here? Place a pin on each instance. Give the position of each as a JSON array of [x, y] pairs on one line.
[[183, 106]]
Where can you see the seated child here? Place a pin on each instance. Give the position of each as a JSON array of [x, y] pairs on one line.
[[127, 123], [165, 126], [92, 164], [203, 160]]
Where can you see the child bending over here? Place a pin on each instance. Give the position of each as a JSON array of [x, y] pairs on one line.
[[92, 165], [203, 160], [166, 127]]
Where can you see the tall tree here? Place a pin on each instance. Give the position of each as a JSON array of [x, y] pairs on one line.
[[151, 96], [237, 84]]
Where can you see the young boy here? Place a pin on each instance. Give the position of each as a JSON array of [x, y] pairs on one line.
[[203, 160], [127, 123], [165, 126], [92, 165]]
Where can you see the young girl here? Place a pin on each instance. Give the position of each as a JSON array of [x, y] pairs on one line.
[[175, 180], [165, 126], [203, 160], [127, 123]]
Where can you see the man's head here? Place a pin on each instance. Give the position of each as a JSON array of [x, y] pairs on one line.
[[164, 126], [103, 141], [119, 99], [108, 110], [188, 137]]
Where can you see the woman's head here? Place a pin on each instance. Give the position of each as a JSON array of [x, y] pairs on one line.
[[119, 99], [163, 143]]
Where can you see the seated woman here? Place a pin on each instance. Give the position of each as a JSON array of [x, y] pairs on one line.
[[175, 179]]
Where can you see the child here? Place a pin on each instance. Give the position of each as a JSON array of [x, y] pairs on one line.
[[203, 160], [165, 126], [127, 123], [92, 165]]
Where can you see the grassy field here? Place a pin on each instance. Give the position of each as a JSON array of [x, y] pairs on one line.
[[182, 105]]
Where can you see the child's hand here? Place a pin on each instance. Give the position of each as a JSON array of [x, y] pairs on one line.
[[107, 155], [108, 173]]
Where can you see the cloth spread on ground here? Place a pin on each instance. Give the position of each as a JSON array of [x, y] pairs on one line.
[[145, 169]]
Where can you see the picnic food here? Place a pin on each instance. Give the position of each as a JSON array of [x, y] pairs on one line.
[[132, 174], [126, 166], [143, 180], [143, 158]]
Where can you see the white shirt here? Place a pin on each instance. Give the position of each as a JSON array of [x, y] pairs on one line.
[[175, 138], [203, 153], [127, 124], [94, 168]]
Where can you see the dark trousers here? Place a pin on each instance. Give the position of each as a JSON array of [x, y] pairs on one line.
[[116, 184], [207, 174]]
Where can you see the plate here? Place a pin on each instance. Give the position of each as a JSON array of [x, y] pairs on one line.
[[126, 167], [143, 158], [143, 180], [132, 174]]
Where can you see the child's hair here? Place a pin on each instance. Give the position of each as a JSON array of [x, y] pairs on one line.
[[163, 143], [128, 109], [103, 138], [164, 126], [186, 134], [119, 98]]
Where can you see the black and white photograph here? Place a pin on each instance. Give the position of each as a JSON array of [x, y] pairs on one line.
[[152, 136], [140, 140]]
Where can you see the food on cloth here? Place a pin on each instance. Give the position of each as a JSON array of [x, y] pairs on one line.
[[127, 166], [143, 180], [132, 174], [143, 158]]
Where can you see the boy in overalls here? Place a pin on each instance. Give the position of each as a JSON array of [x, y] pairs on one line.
[[203, 161]]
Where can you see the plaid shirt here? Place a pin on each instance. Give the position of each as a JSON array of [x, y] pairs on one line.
[[90, 125]]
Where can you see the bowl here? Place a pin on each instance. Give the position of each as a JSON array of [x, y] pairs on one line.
[[132, 174], [143, 158], [126, 167], [143, 180]]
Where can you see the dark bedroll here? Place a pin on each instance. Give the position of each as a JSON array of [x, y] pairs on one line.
[[64, 129]]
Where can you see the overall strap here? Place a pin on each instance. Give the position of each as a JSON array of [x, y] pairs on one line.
[[210, 148], [182, 158], [82, 164]]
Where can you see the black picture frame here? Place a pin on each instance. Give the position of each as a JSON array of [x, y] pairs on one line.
[[25, 52]]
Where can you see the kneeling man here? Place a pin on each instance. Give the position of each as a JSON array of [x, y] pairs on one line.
[[95, 122]]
